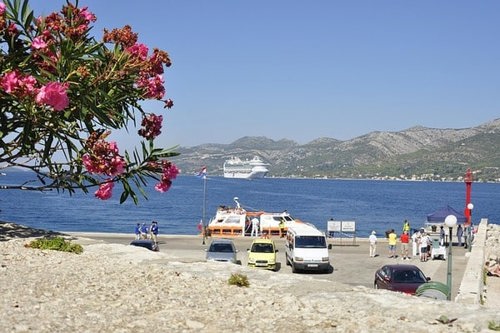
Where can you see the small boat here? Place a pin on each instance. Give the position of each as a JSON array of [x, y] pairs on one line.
[[248, 169], [237, 221]]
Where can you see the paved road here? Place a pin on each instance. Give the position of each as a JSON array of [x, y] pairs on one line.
[[350, 260]]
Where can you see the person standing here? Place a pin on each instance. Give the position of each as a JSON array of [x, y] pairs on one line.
[[424, 243], [406, 226], [460, 233], [415, 240], [153, 230], [282, 228], [255, 227], [137, 231], [393, 239], [405, 244], [373, 244], [442, 236], [144, 231]]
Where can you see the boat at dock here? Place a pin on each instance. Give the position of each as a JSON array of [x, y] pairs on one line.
[[237, 221], [248, 169]]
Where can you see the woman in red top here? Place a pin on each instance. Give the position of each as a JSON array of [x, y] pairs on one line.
[[405, 244]]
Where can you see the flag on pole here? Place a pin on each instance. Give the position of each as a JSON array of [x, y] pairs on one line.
[[200, 225], [203, 173]]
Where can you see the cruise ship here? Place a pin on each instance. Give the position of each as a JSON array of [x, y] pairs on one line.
[[248, 169]]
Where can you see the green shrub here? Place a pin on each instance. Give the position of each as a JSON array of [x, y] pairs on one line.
[[494, 326], [55, 243], [239, 280]]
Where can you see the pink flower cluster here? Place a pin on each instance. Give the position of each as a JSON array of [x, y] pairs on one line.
[[105, 190], [2, 8], [53, 94], [153, 86], [169, 172], [19, 85], [151, 126], [139, 51], [104, 159]]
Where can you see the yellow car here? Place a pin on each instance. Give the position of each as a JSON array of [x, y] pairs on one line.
[[262, 254]]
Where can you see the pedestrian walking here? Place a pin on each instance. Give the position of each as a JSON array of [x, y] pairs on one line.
[[373, 244]]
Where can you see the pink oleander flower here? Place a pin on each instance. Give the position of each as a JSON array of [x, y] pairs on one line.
[[38, 43], [87, 15], [104, 159], [105, 190], [170, 171], [153, 86], [17, 84], [138, 50], [10, 81], [54, 94], [151, 126], [2, 8], [163, 186]]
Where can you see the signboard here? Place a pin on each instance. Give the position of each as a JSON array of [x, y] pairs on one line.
[[348, 226], [334, 226]]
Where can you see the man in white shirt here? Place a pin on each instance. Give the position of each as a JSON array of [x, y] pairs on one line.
[[373, 244]]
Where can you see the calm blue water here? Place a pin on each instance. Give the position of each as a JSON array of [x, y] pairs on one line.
[[374, 205]]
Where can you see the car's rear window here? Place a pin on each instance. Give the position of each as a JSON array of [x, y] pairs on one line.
[[262, 248], [221, 248]]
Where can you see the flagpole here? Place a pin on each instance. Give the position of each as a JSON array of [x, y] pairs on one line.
[[204, 208]]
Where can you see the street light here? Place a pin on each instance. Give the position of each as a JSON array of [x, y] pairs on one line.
[[450, 221], [470, 207]]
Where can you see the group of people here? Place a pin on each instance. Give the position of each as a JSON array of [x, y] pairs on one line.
[[421, 243], [147, 232]]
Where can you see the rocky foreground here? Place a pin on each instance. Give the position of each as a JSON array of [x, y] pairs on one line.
[[118, 288]]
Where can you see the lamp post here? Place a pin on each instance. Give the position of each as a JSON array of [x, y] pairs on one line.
[[450, 221], [470, 207]]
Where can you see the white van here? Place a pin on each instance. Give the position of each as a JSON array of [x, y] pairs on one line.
[[306, 248]]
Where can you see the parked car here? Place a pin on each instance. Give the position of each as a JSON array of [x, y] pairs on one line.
[[146, 243], [222, 249], [262, 254], [402, 278]]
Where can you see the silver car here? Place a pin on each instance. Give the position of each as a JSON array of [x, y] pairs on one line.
[[222, 249]]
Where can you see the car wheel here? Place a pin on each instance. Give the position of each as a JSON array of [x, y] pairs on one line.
[[294, 268], [287, 260]]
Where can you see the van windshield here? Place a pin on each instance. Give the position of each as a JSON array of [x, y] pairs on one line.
[[310, 241]]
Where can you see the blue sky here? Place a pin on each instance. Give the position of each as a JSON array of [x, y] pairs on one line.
[[301, 70]]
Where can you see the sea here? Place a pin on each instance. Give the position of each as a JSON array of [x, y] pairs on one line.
[[371, 204]]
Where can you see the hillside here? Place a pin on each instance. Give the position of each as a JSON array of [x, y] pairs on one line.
[[414, 153]]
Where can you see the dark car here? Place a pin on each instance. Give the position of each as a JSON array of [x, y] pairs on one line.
[[402, 278], [146, 243], [222, 249]]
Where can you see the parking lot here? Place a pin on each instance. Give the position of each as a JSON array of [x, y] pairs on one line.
[[350, 260]]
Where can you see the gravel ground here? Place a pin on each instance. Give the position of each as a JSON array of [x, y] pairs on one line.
[[119, 288]]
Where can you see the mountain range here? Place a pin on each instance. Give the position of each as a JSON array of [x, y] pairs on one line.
[[417, 153]]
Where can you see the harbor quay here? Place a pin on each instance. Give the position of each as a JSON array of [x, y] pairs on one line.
[[349, 258]]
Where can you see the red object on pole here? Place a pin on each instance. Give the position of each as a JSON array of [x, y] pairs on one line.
[[468, 190]]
